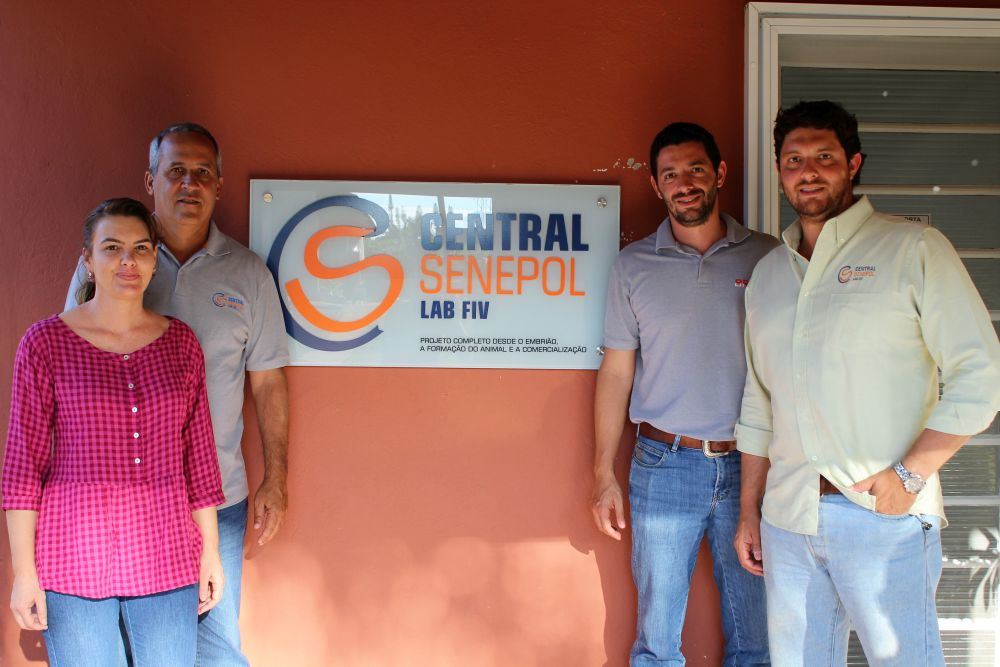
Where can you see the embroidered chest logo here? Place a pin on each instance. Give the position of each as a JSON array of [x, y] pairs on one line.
[[223, 300], [741, 282], [855, 273]]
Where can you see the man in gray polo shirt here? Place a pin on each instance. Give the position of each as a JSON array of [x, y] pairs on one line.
[[227, 295], [673, 338]]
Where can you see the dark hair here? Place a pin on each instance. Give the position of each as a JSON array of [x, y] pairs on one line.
[[123, 206], [820, 115], [177, 128], [681, 133]]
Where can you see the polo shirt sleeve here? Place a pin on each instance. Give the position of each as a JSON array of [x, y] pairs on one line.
[[959, 335], [29, 431], [267, 345], [754, 428], [621, 329]]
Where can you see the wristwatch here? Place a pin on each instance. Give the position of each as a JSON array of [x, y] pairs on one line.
[[912, 482]]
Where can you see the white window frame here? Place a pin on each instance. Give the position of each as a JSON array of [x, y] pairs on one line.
[[852, 26], [767, 22], [847, 36]]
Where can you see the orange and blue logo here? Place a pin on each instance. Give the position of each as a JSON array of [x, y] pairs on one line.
[[294, 296], [223, 300], [845, 274]]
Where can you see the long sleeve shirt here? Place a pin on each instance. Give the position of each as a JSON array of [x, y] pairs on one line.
[[114, 451], [843, 352]]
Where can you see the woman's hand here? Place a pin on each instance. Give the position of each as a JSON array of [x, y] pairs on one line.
[[27, 601], [211, 580]]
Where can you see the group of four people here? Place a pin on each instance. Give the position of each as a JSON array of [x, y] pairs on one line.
[[786, 402]]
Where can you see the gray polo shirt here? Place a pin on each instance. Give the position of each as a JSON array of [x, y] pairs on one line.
[[684, 313], [225, 293]]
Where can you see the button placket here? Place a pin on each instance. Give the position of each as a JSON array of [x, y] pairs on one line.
[[132, 405]]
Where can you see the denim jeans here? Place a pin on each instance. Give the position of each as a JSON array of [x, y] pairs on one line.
[[219, 629], [678, 495], [161, 627], [875, 571]]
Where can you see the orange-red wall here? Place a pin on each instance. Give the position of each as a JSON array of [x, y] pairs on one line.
[[438, 517]]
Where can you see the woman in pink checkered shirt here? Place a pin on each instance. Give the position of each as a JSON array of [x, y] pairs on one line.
[[110, 476]]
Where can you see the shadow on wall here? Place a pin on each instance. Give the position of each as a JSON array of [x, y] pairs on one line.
[[33, 646]]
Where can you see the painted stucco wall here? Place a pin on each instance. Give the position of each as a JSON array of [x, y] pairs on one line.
[[438, 517]]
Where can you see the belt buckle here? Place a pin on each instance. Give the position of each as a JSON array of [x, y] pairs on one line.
[[707, 451]]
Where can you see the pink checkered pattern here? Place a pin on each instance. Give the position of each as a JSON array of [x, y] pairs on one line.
[[114, 451]]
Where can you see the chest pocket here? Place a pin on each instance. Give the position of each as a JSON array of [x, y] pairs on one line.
[[870, 323]]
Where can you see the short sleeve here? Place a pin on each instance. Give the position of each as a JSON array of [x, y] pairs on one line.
[[621, 329], [29, 432], [267, 346]]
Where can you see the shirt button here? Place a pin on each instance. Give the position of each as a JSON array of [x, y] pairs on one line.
[[135, 409], [125, 357], [814, 458], [131, 386], [135, 435], [138, 460]]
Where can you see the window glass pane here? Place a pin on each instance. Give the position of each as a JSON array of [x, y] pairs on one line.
[[986, 275], [899, 96], [967, 221], [973, 471], [971, 535], [931, 159], [968, 648]]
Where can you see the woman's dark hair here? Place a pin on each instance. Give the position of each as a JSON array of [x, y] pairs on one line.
[[122, 206], [820, 115]]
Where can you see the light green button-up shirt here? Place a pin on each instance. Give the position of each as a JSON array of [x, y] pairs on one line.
[[842, 359]]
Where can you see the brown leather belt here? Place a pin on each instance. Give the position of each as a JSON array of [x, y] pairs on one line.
[[711, 448], [826, 487]]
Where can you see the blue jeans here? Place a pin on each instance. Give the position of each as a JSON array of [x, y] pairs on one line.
[[677, 496], [161, 628], [219, 629], [875, 571]]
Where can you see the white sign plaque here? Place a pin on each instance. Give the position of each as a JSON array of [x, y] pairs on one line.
[[451, 275]]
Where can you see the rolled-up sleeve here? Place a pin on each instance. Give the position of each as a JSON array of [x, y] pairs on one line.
[[754, 429], [201, 462], [959, 334], [29, 432]]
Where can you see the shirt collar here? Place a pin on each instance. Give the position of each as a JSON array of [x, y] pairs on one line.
[[216, 245], [735, 233], [844, 225]]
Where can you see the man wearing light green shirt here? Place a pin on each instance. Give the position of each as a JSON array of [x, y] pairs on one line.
[[841, 430]]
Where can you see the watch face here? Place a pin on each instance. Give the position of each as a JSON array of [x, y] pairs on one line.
[[913, 485]]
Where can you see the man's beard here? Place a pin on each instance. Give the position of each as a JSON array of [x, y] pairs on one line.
[[693, 217], [822, 208]]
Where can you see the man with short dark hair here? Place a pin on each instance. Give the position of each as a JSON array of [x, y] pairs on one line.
[[841, 427], [226, 294], [674, 361]]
